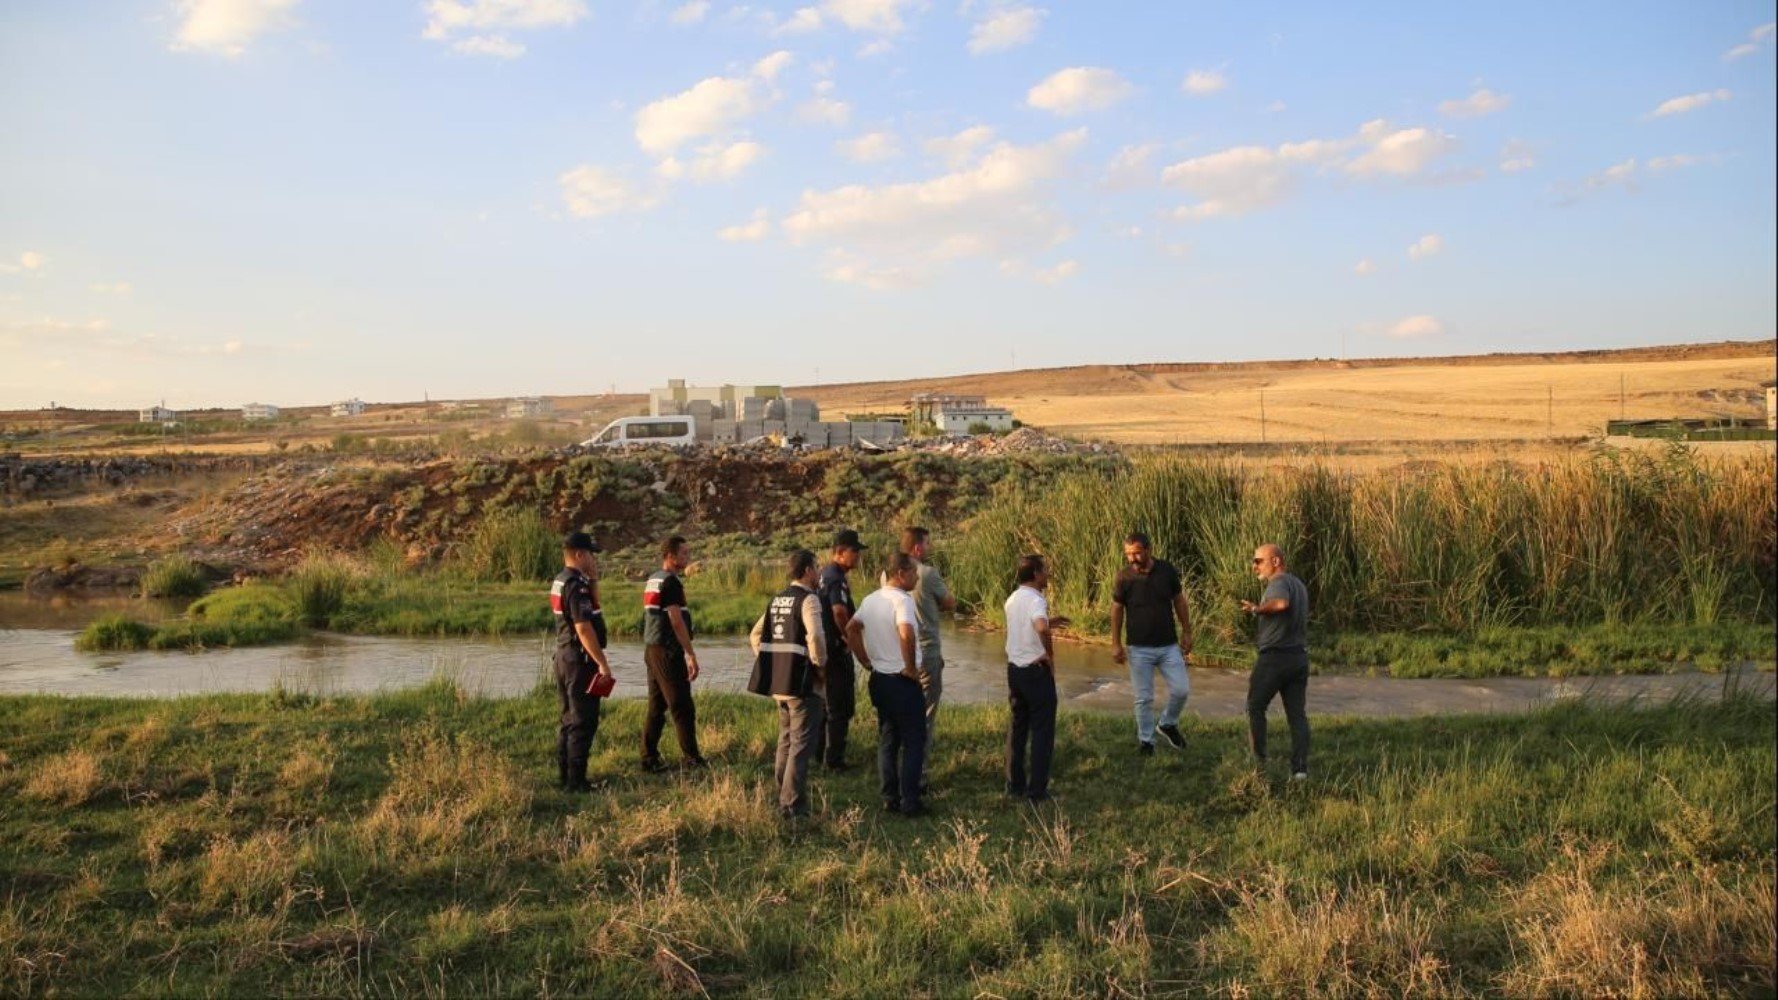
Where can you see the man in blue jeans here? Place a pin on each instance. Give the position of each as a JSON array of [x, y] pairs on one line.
[[884, 639], [1146, 598]]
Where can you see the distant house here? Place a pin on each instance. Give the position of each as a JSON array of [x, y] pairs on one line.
[[259, 411], [924, 408], [1771, 387], [958, 415], [156, 415], [348, 408], [525, 407]]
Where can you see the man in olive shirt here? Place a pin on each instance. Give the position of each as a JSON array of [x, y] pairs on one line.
[[1147, 597], [1282, 667], [932, 601]]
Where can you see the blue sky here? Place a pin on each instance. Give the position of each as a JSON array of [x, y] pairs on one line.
[[292, 201]]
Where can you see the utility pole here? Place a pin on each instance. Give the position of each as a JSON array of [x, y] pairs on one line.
[[1552, 408], [1621, 415], [1262, 416]]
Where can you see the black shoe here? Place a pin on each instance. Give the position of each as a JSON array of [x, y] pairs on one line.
[[1016, 791], [653, 765], [695, 764], [915, 811], [892, 805], [1173, 736], [1145, 749], [1035, 797], [841, 767], [575, 787]]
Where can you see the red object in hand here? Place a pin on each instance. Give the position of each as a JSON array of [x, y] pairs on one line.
[[602, 685]]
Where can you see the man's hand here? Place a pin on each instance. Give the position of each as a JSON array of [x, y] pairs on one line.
[[691, 667], [1117, 653], [914, 674], [1185, 645], [1249, 607]]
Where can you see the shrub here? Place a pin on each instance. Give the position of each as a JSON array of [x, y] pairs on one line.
[[114, 633], [319, 586], [174, 576], [511, 546]]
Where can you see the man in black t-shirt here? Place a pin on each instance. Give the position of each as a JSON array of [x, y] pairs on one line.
[[1147, 597], [672, 663], [580, 655], [837, 609]]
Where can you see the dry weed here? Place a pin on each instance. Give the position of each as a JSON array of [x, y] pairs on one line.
[[69, 779]]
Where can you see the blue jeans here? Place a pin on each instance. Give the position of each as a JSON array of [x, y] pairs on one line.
[[901, 737], [1170, 662]]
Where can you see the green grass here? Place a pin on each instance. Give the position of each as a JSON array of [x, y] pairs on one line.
[[252, 615], [175, 576], [409, 843]]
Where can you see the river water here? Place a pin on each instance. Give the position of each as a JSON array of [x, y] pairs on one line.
[[37, 655]]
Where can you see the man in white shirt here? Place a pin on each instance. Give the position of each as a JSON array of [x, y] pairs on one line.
[[1030, 683], [883, 636], [789, 663]]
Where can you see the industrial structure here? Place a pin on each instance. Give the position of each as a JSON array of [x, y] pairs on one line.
[[736, 414], [347, 408], [252, 412], [156, 415], [528, 407]]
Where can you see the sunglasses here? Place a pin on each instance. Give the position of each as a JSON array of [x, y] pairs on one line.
[[1259, 559]]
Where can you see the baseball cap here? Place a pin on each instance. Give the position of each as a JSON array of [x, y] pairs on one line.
[[580, 541], [848, 539]]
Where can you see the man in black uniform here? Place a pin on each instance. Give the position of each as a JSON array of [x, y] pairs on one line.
[[672, 663], [580, 651], [837, 609]]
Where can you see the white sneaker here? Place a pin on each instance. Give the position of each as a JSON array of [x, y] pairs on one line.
[[1300, 776]]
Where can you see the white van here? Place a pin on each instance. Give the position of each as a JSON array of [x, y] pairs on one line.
[[645, 431]]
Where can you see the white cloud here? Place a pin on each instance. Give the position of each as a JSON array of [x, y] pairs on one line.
[[690, 13], [1679, 161], [1426, 246], [879, 47], [498, 46], [881, 17], [714, 106], [1623, 174], [590, 192], [227, 27], [1247, 178], [1061, 272], [1079, 89], [752, 231], [1204, 82], [824, 110], [1756, 38], [486, 22], [1132, 167], [769, 67], [1364, 267], [957, 150], [1417, 326], [716, 161], [1516, 156], [1479, 104], [1690, 102], [871, 147], [896, 234], [31, 260], [1005, 26], [1399, 152]]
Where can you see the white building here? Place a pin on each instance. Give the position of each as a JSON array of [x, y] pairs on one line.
[[259, 411], [1772, 406], [348, 408], [156, 415], [730, 401], [961, 420], [528, 406]]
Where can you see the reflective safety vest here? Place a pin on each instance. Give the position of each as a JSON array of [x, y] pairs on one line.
[[782, 666]]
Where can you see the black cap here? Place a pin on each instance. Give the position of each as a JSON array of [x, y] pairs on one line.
[[580, 541], [848, 539]]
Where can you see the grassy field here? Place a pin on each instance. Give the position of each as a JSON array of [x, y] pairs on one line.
[[411, 843]]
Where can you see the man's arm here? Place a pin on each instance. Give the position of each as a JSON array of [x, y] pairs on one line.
[[909, 647], [1042, 624], [676, 616], [1275, 606], [855, 642], [759, 631], [1117, 631], [947, 602], [589, 641], [1184, 612], [815, 634]]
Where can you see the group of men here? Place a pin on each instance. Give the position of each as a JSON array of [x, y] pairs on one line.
[[813, 636]]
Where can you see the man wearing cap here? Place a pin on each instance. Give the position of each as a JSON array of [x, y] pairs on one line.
[[835, 594], [789, 652], [672, 663], [580, 655]]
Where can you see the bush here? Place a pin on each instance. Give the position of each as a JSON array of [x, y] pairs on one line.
[[114, 633], [174, 576], [319, 586], [511, 546]]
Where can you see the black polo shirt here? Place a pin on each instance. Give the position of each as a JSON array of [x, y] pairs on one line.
[[1148, 604]]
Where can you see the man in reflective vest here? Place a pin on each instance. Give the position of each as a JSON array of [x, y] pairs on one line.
[[789, 662], [580, 653]]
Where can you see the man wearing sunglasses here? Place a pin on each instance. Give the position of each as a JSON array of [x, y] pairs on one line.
[[1282, 667]]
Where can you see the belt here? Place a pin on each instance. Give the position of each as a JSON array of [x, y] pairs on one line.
[[1023, 666], [783, 647]]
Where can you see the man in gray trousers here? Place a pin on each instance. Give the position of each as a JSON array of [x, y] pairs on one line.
[[1282, 668], [790, 660]]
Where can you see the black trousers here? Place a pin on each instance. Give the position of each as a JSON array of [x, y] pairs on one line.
[[580, 715], [1032, 693], [901, 737], [1286, 673], [669, 692], [842, 704]]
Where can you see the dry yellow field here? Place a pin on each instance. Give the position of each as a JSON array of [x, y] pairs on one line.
[[1332, 403]]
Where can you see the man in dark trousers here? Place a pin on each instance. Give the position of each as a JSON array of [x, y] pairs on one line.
[[672, 663], [884, 636], [835, 592], [580, 655], [789, 653], [1030, 683], [1282, 667]]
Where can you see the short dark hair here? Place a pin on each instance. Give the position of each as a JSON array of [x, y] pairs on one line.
[[899, 563], [1138, 538], [672, 545], [801, 561], [1029, 567], [911, 537]]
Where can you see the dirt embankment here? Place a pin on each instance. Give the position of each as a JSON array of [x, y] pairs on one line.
[[36, 478], [752, 498]]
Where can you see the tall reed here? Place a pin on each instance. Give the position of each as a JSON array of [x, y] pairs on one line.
[[1608, 538]]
